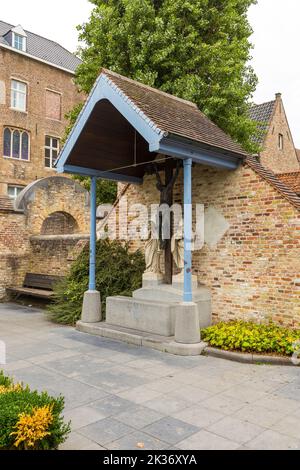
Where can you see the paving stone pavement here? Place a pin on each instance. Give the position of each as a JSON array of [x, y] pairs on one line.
[[120, 396]]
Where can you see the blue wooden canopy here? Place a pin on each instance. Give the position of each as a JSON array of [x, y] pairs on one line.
[[125, 123], [121, 129]]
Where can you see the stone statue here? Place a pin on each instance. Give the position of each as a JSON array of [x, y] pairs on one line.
[[152, 251], [177, 246]]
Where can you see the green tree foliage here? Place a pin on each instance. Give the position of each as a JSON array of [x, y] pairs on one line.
[[196, 49], [118, 272]]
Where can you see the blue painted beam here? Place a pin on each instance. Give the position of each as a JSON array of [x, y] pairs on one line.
[[182, 150], [187, 174], [78, 170], [93, 235]]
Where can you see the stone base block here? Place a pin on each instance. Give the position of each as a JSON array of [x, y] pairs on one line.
[[91, 308], [187, 329], [152, 279], [149, 316], [170, 294], [140, 338]]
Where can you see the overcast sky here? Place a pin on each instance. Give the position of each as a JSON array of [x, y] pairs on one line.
[[276, 40]]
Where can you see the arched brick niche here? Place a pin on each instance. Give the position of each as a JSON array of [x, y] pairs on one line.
[[55, 206], [59, 223]]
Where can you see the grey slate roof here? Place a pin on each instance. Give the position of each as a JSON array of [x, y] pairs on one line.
[[262, 113], [44, 49]]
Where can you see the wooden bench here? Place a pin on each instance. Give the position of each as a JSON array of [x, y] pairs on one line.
[[36, 285]]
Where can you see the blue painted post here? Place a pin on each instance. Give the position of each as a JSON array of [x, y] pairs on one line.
[[93, 236], [187, 171]]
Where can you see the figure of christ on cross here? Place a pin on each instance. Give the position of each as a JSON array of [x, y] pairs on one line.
[[166, 223]]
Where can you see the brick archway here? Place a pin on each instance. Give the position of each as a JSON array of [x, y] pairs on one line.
[[59, 223], [58, 195]]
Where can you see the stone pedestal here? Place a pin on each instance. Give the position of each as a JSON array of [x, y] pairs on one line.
[[153, 308], [91, 308], [152, 279], [187, 329], [173, 294]]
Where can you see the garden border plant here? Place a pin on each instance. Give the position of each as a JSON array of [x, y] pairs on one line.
[[249, 337], [30, 420]]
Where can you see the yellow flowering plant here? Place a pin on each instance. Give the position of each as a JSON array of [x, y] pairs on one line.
[[30, 420], [264, 338], [32, 428]]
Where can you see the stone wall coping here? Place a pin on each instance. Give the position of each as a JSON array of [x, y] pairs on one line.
[[72, 236]]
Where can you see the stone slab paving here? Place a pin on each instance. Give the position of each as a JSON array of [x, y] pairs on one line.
[[121, 396]]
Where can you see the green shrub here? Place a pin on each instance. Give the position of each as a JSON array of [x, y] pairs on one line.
[[118, 272], [25, 414], [4, 380], [251, 337]]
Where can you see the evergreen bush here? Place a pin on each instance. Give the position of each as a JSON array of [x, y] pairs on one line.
[[118, 272]]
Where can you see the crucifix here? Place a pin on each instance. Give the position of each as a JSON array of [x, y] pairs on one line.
[[166, 197]]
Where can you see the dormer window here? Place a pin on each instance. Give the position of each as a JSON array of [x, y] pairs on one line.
[[19, 42], [17, 38]]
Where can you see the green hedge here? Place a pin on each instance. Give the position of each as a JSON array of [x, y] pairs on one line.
[[251, 337], [118, 272], [26, 414]]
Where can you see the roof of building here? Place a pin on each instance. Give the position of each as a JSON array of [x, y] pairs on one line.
[[274, 180], [43, 49], [6, 204], [291, 179], [126, 123], [262, 113], [173, 115]]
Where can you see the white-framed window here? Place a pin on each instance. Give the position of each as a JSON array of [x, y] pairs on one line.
[[51, 151], [16, 143], [18, 95], [14, 191], [19, 42], [280, 141]]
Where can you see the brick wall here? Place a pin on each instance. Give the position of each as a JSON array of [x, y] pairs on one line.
[[14, 249], [54, 255], [41, 81], [254, 271], [57, 195], [59, 223], [279, 161], [23, 247]]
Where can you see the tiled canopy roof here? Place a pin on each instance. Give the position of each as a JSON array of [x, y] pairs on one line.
[[262, 113], [43, 49], [275, 181], [172, 115], [291, 179]]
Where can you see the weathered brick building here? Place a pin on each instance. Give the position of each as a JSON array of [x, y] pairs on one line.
[[278, 152], [36, 91]]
